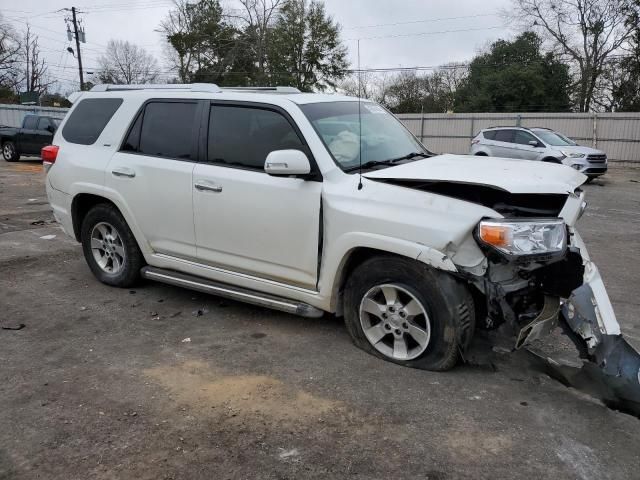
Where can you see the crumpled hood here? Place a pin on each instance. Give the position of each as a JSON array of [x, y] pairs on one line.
[[511, 175]]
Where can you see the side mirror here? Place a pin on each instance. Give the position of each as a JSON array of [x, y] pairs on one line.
[[286, 163], [534, 143]]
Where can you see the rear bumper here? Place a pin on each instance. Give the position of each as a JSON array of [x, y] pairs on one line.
[[61, 205]]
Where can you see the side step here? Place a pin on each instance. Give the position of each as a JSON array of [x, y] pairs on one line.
[[229, 291]]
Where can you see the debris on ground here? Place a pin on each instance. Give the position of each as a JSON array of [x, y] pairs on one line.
[[38, 223], [200, 312], [17, 326], [48, 237], [186, 340], [289, 454]]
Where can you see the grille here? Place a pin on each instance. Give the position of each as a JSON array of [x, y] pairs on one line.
[[599, 158]]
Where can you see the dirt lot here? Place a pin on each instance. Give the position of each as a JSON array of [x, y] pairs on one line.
[[102, 383]]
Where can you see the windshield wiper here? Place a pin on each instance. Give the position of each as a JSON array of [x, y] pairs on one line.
[[391, 161]]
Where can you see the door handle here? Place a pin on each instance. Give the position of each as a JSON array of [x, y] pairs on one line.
[[123, 172], [208, 187]]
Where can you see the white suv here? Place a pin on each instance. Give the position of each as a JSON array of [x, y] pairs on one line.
[[256, 195]]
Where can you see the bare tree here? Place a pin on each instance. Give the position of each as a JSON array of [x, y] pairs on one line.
[[258, 17], [179, 53], [34, 68], [9, 56], [585, 32], [126, 63], [372, 86]]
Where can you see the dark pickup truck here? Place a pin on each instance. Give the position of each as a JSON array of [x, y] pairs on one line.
[[36, 132]]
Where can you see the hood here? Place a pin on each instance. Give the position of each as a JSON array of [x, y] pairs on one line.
[[510, 175], [579, 149]]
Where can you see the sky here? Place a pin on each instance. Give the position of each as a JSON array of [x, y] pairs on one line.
[[392, 33]]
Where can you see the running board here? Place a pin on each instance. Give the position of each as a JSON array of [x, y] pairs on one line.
[[229, 291]]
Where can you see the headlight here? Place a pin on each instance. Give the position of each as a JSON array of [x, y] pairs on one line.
[[524, 237], [572, 154]]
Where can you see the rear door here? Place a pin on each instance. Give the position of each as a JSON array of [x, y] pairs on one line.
[[153, 169], [246, 220], [503, 144], [27, 138]]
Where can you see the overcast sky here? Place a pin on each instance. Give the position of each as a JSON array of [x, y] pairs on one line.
[[423, 32]]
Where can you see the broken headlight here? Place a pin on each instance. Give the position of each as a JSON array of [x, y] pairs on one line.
[[524, 237]]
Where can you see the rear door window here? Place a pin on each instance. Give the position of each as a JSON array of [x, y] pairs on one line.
[[504, 136], [489, 134], [244, 136], [30, 122], [163, 129], [43, 123], [87, 121]]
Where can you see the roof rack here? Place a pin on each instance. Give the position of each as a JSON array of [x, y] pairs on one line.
[[541, 128], [506, 126], [192, 87], [264, 89]]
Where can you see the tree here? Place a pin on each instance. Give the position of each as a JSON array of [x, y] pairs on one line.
[[126, 63], [305, 49], [626, 90], [515, 76], [9, 58], [33, 71], [585, 32]]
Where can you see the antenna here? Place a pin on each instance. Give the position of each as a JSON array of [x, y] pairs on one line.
[[359, 123]]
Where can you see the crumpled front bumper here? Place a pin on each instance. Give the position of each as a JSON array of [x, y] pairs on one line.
[[591, 323]]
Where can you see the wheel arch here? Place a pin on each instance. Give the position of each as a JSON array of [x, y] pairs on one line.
[[356, 255], [551, 160]]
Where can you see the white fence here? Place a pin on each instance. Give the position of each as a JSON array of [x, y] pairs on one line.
[[12, 115], [617, 134]]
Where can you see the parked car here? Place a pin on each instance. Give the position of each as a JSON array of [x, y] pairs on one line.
[[36, 132], [541, 144], [273, 197]]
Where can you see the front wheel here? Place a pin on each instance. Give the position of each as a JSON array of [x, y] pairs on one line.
[[10, 152], [407, 313], [110, 248]]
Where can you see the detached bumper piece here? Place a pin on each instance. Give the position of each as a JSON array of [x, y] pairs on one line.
[[613, 368]]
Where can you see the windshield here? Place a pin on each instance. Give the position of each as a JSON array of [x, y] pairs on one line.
[[384, 138], [554, 138]]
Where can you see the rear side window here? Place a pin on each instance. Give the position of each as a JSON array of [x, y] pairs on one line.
[[43, 123], [504, 136], [30, 122], [88, 119], [244, 136], [489, 134], [163, 129]]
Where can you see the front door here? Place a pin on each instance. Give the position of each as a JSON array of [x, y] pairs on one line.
[[522, 141], [246, 220], [153, 173]]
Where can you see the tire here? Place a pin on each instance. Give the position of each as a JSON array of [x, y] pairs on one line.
[[119, 262], [448, 316], [10, 152], [481, 154]]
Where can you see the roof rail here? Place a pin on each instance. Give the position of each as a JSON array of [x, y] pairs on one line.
[[192, 87], [264, 89], [508, 126], [541, 128]]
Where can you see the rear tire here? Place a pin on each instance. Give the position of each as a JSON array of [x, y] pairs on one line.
[[110, 248], [430, 304], [10, 152], [481, 154]]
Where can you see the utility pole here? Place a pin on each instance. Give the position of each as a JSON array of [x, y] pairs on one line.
[[75, 32]]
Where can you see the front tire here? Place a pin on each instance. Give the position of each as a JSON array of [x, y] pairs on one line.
[[109, 247], [405, 312], [10, 152]]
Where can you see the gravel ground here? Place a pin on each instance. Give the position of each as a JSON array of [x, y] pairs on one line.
[[164, 383]]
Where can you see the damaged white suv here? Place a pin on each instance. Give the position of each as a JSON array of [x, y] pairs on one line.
[[256, 194]]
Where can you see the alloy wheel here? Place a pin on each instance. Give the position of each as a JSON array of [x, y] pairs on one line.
[[107, 248], [395, 322]]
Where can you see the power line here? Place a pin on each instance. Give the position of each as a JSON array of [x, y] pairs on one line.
[[419, 34], [411, 22]]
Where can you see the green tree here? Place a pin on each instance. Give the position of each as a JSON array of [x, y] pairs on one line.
[[515, 76], [305, 50]]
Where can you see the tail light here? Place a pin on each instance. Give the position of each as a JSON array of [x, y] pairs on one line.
[[49, 155]]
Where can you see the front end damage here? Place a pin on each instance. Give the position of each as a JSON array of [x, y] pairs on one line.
[[526, 298]]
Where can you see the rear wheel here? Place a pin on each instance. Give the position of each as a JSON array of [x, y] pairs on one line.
[[10, 152], [405, 312], [110, 248]]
